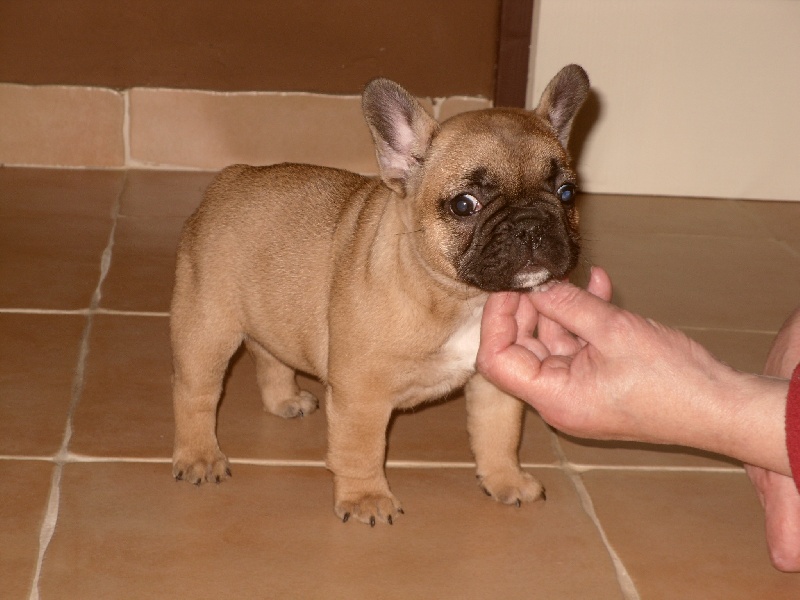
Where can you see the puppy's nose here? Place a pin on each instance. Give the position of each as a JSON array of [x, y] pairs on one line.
[[531, 229], [531, 238]]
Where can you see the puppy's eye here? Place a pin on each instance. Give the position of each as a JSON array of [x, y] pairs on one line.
[[566, 193], [465, 205]]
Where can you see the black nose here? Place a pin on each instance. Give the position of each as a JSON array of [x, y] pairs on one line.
[[531, 226]]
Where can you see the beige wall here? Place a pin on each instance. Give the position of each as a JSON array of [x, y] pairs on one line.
[[693, 97]]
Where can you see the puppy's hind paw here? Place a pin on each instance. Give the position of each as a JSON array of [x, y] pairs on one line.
[[304, 403], [512, 487]]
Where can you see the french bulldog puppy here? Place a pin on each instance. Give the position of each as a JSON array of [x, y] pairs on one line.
[[376, 285]]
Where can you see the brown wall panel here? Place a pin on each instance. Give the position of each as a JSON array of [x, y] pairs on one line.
[[435, 48]]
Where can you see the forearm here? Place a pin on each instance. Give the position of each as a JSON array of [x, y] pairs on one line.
[[741, 416]]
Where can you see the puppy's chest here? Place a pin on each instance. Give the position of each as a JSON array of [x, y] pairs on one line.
[[460, 350], [447, 369]]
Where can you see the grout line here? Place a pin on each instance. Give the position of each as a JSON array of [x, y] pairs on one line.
[[45, 311], [84, 312], [61, 458], [48, 528], [626, 584], [131, 313], [68, 457], [583, 468]]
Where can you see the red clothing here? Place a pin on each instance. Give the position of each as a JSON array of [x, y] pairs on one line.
[[793, 425]]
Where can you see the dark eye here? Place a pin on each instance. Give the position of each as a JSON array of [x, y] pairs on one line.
[[566, 193], [464, 205]]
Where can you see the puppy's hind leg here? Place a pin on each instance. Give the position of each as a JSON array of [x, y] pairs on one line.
[[201, 349], [494, 421], [279, 391]]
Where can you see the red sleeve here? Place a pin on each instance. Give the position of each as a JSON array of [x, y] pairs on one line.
[[793, 425]]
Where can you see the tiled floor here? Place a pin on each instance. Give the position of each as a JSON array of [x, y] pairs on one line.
[[88, 508]]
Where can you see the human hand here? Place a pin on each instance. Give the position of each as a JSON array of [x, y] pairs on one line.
[[607, 379], [601, 372]]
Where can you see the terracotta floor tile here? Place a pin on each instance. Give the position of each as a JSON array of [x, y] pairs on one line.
[[163, 193], [125, 408], [782, 219], [743, 350], [211, 130], [270, 532], [635, 454], [142, 270], [24, 488], [609, 214], [61, 125], [51, 262], [689, 535], [51, 240], [37, 192], [438, 432], [38, 358], [694, 281]]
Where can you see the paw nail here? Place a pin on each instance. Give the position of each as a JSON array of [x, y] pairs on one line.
[[179, 476], [372, 521], [487, 492], [519, 502], [544, 495], [217, 479], [346, 516], [389, 518], [401, 511], [228, 473]]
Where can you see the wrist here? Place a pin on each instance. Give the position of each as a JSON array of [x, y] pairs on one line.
[[751, 420]]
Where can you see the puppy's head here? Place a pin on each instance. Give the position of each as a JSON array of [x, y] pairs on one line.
[[489, 195]]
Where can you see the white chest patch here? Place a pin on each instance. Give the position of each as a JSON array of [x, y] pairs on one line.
[[461, 350]]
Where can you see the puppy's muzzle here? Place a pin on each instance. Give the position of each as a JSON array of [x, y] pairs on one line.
[[517, 246]]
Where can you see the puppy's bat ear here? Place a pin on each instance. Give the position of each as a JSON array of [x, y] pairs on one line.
[[562, 98], [401, 129]]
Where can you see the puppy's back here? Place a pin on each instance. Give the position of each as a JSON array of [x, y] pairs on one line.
[[259, 248]]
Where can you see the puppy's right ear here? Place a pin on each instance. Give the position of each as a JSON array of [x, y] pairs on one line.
[[401, 129]]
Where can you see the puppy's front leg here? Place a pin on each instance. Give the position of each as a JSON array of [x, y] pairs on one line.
[[357, 425], [494, 421]]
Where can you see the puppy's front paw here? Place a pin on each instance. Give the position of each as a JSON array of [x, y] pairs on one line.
[[369, 508], [366, 500], [512, 487], [304, 403], [195, 469]]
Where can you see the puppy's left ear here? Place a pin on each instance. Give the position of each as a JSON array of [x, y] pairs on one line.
[[562, 98], [401, 129]]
